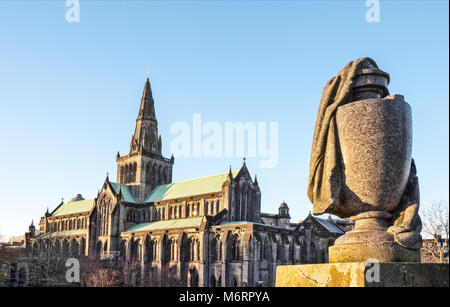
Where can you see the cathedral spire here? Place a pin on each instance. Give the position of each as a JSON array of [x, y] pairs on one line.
[[147, 109], [145, 137]]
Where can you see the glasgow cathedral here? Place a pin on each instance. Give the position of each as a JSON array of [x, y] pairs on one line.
[[209, 232]]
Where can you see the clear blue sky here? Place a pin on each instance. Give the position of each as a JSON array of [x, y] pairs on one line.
[[70, 92]]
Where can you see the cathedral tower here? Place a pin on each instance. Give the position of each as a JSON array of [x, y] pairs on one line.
[[144, 167]]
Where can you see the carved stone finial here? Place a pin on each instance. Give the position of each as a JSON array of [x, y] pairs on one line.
[[370, 83]]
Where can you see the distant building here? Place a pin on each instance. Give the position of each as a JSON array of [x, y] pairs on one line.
[[16, 241], [207, 231]]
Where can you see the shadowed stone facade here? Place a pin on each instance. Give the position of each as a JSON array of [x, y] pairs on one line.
[[207, 231]]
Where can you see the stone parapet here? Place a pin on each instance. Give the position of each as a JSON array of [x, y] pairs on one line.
[[364, 274]]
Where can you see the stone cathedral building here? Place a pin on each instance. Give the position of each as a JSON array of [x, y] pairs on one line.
[[207, 231]]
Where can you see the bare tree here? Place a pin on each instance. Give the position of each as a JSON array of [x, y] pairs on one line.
[[45, 263], [435, 225], [101, 274], [48, 265]]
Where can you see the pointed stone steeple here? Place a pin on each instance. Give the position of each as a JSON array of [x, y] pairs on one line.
[[146, 138], [147, 109]]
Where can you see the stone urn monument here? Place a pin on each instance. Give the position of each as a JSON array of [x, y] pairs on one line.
[[361, 167], [361, 170]]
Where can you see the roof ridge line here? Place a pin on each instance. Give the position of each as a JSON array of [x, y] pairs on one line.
[[226, 173]]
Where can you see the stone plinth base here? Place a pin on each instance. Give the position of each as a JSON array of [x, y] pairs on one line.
[[364, 274], [383, 252]]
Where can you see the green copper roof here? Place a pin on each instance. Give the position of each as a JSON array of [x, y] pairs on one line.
[[76, 232], [192, 187], [168, 224], [74, 207], [247, 222], [127, 196]]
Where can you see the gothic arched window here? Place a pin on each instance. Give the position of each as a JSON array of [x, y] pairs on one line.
[[235, 248], [207, 209], [280, 251], [134, 171], [194, 250], [216, 249], [266, 251], [125, 175], [148, 247], [160, 175], [155, 174], [147, 172], [291, 251], [213, 249]]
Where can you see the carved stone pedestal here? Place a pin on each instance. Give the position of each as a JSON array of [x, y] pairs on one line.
[[363, 274], [369, 241], [382, 252]]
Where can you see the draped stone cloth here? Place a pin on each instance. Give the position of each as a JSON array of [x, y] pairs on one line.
[[406, 224], [325, 178]]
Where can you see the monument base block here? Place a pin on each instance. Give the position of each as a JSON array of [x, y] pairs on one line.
[[364, 274], [383, 252]]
